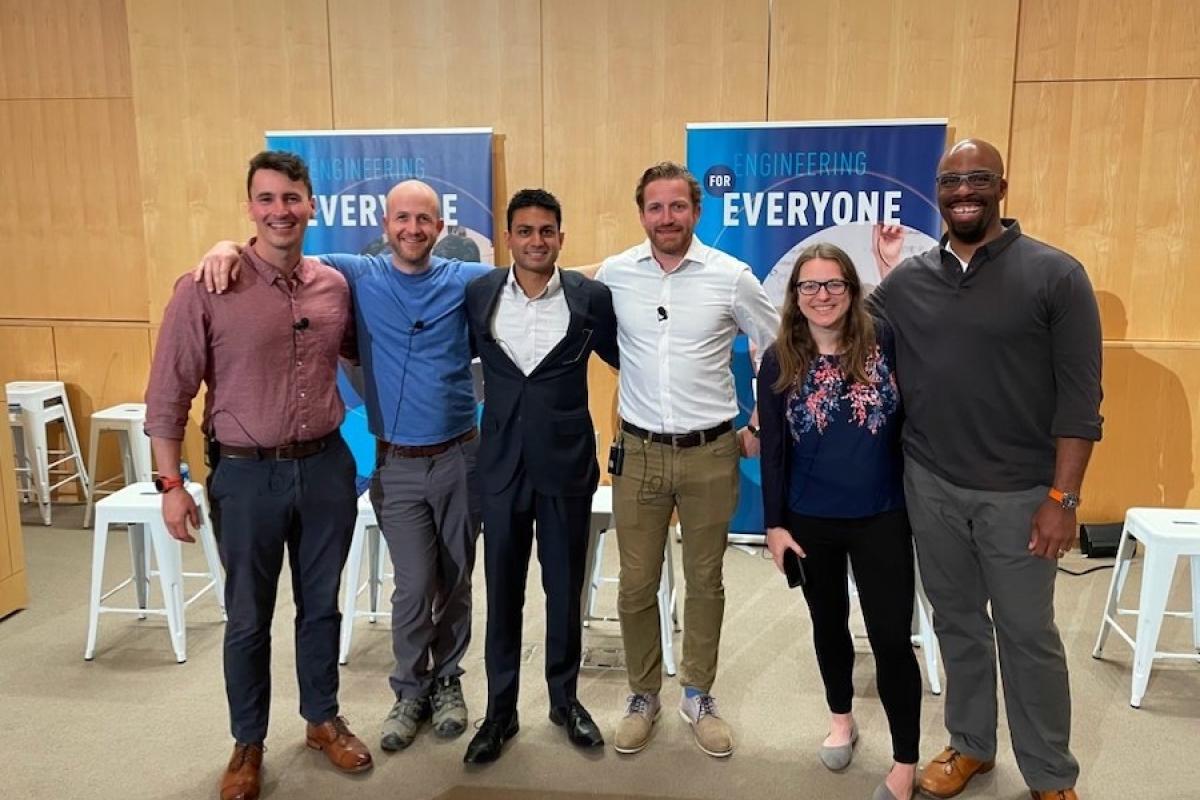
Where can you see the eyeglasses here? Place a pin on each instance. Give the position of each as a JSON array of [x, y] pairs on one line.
[[835, 286], [981, 179]]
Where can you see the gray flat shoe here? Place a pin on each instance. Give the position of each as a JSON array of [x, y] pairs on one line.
[[838, 758], [882, 792]]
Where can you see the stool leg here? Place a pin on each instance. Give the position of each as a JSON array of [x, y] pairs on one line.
[[1116, 583], [1156, 585], [665, 622], [350, 590], [139, 447], [208, 541], [375, 578], [597, 573], [170, 575], [39, 464], [1196, 602], [127, 468], [76, 453], [99, 545], [139, 556], [929, 642], [21, 457], [93, 449]]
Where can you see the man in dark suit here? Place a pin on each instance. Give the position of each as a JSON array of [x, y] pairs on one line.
[[534, 327]]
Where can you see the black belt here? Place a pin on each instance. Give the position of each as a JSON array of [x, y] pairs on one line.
[[283, 452], [423, 450], [690, 439]]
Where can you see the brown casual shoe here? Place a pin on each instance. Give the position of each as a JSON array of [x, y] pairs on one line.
[[344, 750], [1054, 794], [241, 778], [948, 773]]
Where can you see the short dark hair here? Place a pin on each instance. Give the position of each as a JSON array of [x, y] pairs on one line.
[[534, 198], [289, 164], [666, 170]]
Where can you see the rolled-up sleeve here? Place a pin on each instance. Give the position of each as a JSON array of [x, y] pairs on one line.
[[1077, 353], [180, 361]]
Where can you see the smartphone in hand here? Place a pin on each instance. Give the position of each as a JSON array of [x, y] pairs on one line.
[[793, 568]]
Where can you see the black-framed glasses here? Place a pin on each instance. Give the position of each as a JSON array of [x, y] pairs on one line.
[[979, 179], [834, 286]]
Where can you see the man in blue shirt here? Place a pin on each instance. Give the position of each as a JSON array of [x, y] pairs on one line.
[[412, 333]]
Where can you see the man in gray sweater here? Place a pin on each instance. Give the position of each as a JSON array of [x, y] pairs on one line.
[[998, 358]]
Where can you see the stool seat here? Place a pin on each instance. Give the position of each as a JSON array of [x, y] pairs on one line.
[[1167, 535], [140, 507], [124, 412]]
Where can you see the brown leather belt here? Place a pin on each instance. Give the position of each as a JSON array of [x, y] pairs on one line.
[[283, 452], [422, 450], [690, 439]]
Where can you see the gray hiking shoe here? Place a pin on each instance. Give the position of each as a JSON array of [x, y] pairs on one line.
[[402, 723], [449, 708]]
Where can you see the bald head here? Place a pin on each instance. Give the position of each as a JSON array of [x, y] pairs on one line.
[[966, 155], [414, 220]]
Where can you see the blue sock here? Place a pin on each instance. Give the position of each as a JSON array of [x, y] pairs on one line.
[[690, 691]]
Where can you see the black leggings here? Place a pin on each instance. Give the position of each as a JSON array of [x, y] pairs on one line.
[[881, 555]]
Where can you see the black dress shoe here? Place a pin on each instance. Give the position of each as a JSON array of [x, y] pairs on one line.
[[581, 730], [490, 739]]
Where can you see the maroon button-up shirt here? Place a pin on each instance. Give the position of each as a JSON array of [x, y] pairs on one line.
[[267, 350]]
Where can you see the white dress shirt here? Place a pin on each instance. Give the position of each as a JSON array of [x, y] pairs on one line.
[[528, 328], [675, 331]]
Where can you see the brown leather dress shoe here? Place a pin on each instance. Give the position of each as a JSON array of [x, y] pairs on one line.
[[344, 750], [241, 778], [948, 773], [1054, 794]]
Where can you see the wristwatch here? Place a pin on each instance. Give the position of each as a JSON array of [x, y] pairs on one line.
[[1068, 500], [164, 485], [753, 429]]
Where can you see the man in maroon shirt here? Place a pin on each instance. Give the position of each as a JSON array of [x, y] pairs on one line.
[[282, 477]]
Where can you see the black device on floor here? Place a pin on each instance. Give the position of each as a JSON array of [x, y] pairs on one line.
[[1100, 540], [793, 569]]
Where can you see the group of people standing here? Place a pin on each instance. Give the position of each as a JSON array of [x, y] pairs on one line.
[[957, 396]]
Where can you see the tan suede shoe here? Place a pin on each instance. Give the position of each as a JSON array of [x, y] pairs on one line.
[[948, 774], [241, 780], [343, 749], [1055, 794]]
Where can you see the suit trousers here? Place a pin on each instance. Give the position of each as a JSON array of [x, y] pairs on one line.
[[702, 484], [307, 507], [428, 511], [510, 521], [972, 546]]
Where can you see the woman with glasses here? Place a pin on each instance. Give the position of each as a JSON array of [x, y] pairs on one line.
[[832, 493]]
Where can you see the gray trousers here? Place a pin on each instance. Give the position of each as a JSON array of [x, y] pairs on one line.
[[428, 510], [972, 546]]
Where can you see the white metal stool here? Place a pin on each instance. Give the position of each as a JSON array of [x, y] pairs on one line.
[[1167, 535], [40, 403], [603, 523], [16, 423], [140, 507], [127, 421], [366, 531], [923, 636]]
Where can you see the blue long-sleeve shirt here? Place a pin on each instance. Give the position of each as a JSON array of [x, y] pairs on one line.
[[830, 446]]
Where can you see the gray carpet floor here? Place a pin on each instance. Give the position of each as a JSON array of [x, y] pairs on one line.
[[134, 724]]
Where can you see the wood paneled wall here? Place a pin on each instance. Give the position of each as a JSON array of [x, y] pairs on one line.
[[125, 128]]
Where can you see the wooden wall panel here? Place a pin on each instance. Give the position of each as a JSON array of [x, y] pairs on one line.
[[102, 366], [207, 84], [14, 593], [70, 215], [63, 49], [1108, 171], [445, 63], [853, 59], [27, 354], [1150, 453], [620, 81], [1090, 39]]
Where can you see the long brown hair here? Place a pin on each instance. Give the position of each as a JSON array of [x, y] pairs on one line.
[[795, 348]]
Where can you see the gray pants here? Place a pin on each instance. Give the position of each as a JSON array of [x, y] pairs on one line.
[[972, 548], [428, 510]]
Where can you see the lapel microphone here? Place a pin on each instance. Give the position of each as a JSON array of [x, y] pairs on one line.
[[300, 324], [662, 314]]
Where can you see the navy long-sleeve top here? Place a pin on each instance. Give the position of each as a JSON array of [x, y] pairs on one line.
[[831, 446]]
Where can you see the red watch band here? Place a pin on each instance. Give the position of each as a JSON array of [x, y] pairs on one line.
[[167, 484]]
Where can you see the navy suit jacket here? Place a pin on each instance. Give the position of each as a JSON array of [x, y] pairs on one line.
[[540, 422]]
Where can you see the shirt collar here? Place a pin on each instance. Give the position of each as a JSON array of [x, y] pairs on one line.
[[303, 272], [552, 288], [697, 253], [1012, 230]]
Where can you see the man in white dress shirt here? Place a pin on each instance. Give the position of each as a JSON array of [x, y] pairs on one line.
[[534, 327], [679, 304]]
